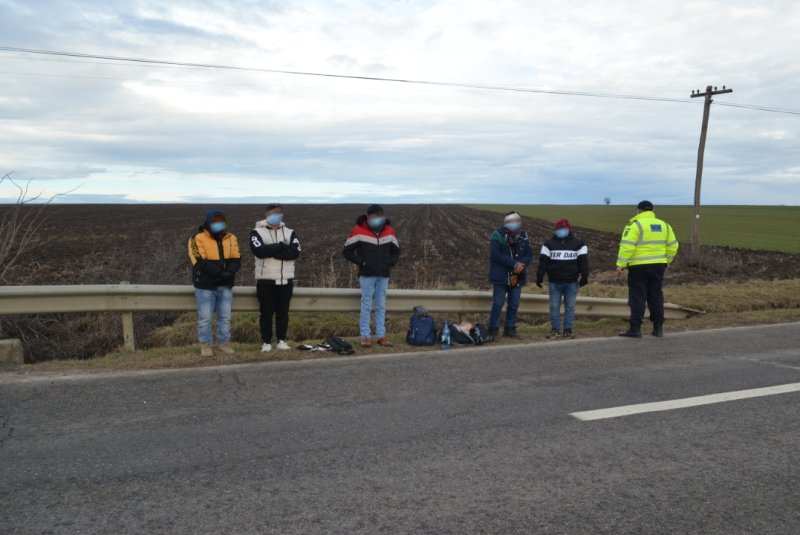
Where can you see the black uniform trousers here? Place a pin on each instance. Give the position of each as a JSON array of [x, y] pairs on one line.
[[273, 300], [645, 283]]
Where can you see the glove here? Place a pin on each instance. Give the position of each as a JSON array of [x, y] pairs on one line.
[[584, 281], [539, 282]]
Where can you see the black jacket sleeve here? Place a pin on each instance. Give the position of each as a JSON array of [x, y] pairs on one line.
[[291, 251], [350, 252], [261, 249], [583, 265], [542, 269]]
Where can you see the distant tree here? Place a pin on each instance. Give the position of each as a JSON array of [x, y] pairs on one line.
[[607, 201]]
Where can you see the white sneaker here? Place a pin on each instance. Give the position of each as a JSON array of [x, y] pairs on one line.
[[283, 345], [266, 348]]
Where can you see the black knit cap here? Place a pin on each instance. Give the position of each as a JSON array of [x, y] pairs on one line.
[[645, 205], [272, 206], [375, 209]]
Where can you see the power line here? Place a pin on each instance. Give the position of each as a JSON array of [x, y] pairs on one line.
[[486, 87], [344, 76]]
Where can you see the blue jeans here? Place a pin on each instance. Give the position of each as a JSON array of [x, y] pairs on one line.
[[568, 291], [498, 298], [373, 289], [209, 301]]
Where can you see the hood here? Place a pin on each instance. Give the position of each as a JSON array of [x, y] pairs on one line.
[[648, 214], [212, 214]]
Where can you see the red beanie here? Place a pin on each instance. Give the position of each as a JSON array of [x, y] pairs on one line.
[[561, 223]]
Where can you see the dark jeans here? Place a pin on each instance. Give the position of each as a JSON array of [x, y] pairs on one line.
[[274, 300], [498, 299], [645, 285]]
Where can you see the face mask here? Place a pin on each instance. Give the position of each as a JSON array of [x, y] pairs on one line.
[[376, 223], [217, 226], [513, 226], [562, 233], [274, 219]]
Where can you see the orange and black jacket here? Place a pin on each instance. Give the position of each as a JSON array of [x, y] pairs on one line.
[[215, 257]]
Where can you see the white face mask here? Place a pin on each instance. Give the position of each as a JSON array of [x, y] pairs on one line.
[[562, 233]]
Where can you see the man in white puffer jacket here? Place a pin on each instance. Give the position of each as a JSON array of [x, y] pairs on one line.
[[276, 247]]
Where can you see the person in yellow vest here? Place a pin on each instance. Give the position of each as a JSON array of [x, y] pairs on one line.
[[648, 245], [215, 257]]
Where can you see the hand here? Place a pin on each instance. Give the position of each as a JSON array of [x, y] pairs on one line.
[[519, 268], [620, 271], [583, 282]]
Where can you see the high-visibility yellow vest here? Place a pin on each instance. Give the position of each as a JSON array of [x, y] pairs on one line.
[[647, 240]]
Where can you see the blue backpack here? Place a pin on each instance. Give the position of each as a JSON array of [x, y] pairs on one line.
[[421, 330]]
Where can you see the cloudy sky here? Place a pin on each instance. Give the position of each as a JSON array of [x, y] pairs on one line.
[[128, 132]]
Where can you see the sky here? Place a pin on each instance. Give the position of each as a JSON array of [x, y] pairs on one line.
[[128, 132]]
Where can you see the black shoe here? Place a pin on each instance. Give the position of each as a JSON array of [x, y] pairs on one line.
[[552, 334], [494, 332], [568, 333], [632, 333], [511, 332], [658, 330]]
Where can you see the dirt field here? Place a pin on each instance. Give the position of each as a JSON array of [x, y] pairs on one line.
[[443, 246]]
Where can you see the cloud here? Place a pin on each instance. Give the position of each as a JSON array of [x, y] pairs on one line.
[[140, 132]]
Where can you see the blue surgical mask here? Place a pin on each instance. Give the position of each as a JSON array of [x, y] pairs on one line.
[[376, 223], [513, 226], [562, 233], [217, 226], [274, 219]]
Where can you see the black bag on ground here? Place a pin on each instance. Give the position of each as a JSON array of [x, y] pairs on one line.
[[340, 345], [457, 336], [480, 334], [421, 328]]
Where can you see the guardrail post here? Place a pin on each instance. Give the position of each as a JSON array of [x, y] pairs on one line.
[[128, 338]]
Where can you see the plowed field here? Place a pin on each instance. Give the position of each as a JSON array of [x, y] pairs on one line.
[[442, 246]]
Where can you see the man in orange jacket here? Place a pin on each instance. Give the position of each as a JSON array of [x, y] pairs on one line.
[[214, 253]]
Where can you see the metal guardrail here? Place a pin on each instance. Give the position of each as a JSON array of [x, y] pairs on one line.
[[129, 298]]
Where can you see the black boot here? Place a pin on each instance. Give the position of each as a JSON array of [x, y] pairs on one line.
[[494, 332], [511, 332], [658, 330], [632, 332]]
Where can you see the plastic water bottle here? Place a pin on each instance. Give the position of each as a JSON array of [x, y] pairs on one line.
[[445, 341]]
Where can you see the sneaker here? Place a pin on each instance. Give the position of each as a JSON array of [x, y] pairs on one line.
[[266, 348], [384, 342], [366, 342], [283, 345], [206, 351], [552, 334], [227, 348], [568, 333]]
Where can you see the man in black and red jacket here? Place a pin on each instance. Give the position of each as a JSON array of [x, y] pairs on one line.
[[565, 260], [373, 247]]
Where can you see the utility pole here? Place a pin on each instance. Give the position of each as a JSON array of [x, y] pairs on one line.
[[710, 92]]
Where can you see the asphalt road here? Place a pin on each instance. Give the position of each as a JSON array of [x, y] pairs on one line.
[[466, 441]]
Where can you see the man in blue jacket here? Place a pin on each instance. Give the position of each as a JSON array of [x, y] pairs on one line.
[[509, 255]]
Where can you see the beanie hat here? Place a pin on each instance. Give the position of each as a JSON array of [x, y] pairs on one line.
[[375, 209], [272, 206], [645, 205], [563, 223]]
